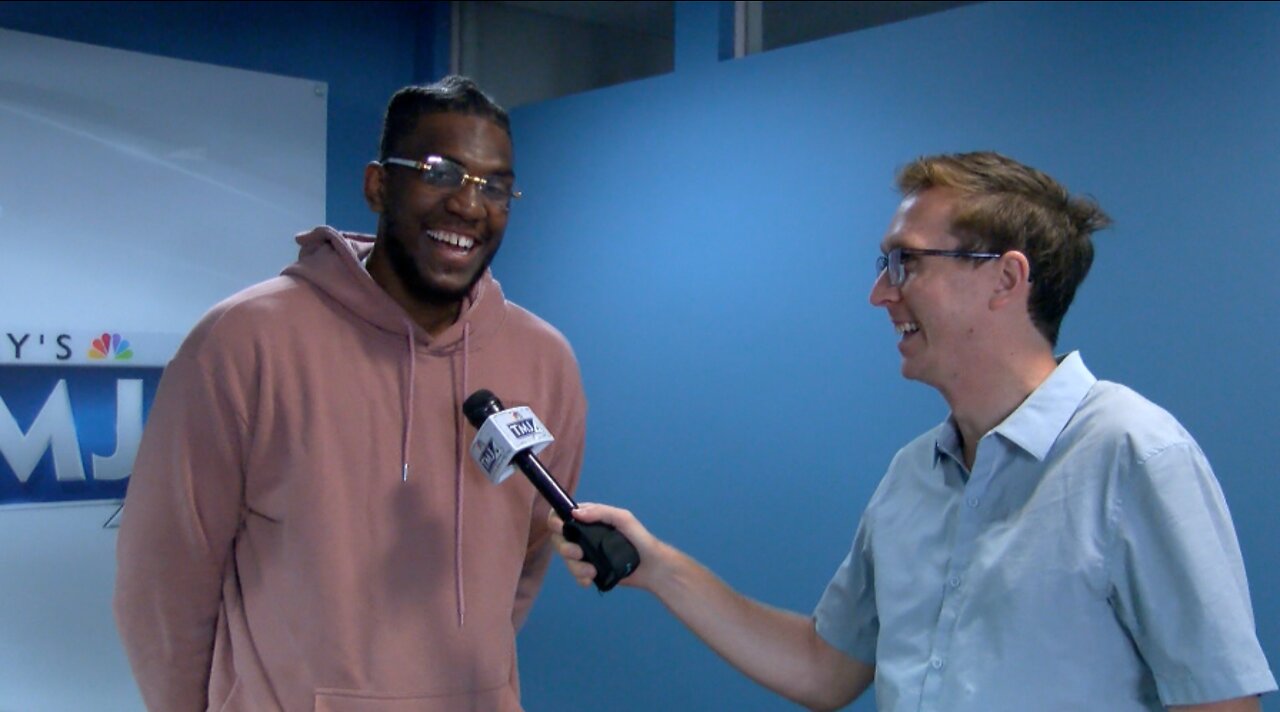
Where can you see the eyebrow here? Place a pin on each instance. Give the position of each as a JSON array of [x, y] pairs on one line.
[[889, 244]]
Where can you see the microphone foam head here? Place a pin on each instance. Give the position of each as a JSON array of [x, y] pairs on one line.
[[480, 405]]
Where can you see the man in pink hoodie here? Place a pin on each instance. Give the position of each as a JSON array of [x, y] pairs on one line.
[[303, 528]]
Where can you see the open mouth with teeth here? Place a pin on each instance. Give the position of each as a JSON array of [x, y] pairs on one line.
[[905, 329], [459, 242]]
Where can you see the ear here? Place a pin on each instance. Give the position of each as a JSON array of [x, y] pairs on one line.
[[1014, 280], [375, 186]]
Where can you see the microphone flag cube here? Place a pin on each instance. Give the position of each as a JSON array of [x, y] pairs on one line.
[[504, 435]]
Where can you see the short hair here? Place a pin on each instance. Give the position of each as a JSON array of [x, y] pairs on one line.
[[452, 94], [1005, 206]]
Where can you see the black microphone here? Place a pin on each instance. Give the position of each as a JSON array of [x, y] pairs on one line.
[[602, 545]]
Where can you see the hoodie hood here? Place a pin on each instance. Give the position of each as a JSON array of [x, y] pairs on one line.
[[331, 261]]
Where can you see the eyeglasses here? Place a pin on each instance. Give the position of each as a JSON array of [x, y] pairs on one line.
[[440, 172], [894, 264]]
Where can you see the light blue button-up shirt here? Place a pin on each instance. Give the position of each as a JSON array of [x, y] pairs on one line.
[[1088, 562]]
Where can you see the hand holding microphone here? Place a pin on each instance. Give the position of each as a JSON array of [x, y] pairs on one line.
[[514, 437], [652, 550]]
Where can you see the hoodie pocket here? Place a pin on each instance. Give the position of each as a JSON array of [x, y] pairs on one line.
[[497, 699]]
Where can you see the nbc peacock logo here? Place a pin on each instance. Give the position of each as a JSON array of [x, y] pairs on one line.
[[110, 346]]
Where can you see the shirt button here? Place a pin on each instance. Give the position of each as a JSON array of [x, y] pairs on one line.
[[954, 582], [973, 502], [936, 663]]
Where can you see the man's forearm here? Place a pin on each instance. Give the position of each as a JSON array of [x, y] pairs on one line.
[[778, 649], [1240, 704], [171, 670]]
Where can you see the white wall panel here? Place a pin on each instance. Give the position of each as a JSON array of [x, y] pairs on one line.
[[135, 192]]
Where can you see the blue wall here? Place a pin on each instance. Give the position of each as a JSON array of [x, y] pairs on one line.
[[706, 240]]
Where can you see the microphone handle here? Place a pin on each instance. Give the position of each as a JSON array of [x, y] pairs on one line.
[[546, 485], [602, 545], [606, 549]]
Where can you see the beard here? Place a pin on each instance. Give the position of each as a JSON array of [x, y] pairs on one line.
[[406, 270]]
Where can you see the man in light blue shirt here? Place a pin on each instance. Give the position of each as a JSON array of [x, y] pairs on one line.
[[1058, 544]]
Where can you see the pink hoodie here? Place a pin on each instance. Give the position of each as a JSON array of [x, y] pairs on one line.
[[304, 529]]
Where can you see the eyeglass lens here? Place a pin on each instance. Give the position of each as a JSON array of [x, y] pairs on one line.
[[891, 264], [443, 173]]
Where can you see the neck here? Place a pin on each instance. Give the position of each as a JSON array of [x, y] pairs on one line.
[[984, 398], [432, 317]]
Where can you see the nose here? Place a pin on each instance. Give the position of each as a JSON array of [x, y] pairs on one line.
[[466, 200], [882, 293]]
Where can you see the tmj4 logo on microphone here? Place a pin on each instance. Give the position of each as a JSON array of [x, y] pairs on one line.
[[524, 428], [504, 435], [489, 456]]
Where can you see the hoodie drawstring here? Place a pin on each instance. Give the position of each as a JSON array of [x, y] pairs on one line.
[[407, 405], [457, 483], [459, 457]]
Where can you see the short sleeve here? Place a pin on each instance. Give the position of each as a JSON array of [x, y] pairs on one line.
[[1178, 582], [846, 615]]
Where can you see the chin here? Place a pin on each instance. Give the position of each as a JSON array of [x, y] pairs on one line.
[[443, 292], [451, 287], [907, 369], [914, 372]]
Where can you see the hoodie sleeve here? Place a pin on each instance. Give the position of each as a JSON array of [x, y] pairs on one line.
[[566, 464], [182, 511]]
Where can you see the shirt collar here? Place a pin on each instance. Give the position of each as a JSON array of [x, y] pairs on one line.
[[947, 441], [1036, 424]]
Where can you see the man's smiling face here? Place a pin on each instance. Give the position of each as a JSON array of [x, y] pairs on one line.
[[937, 310], [439, 241]]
